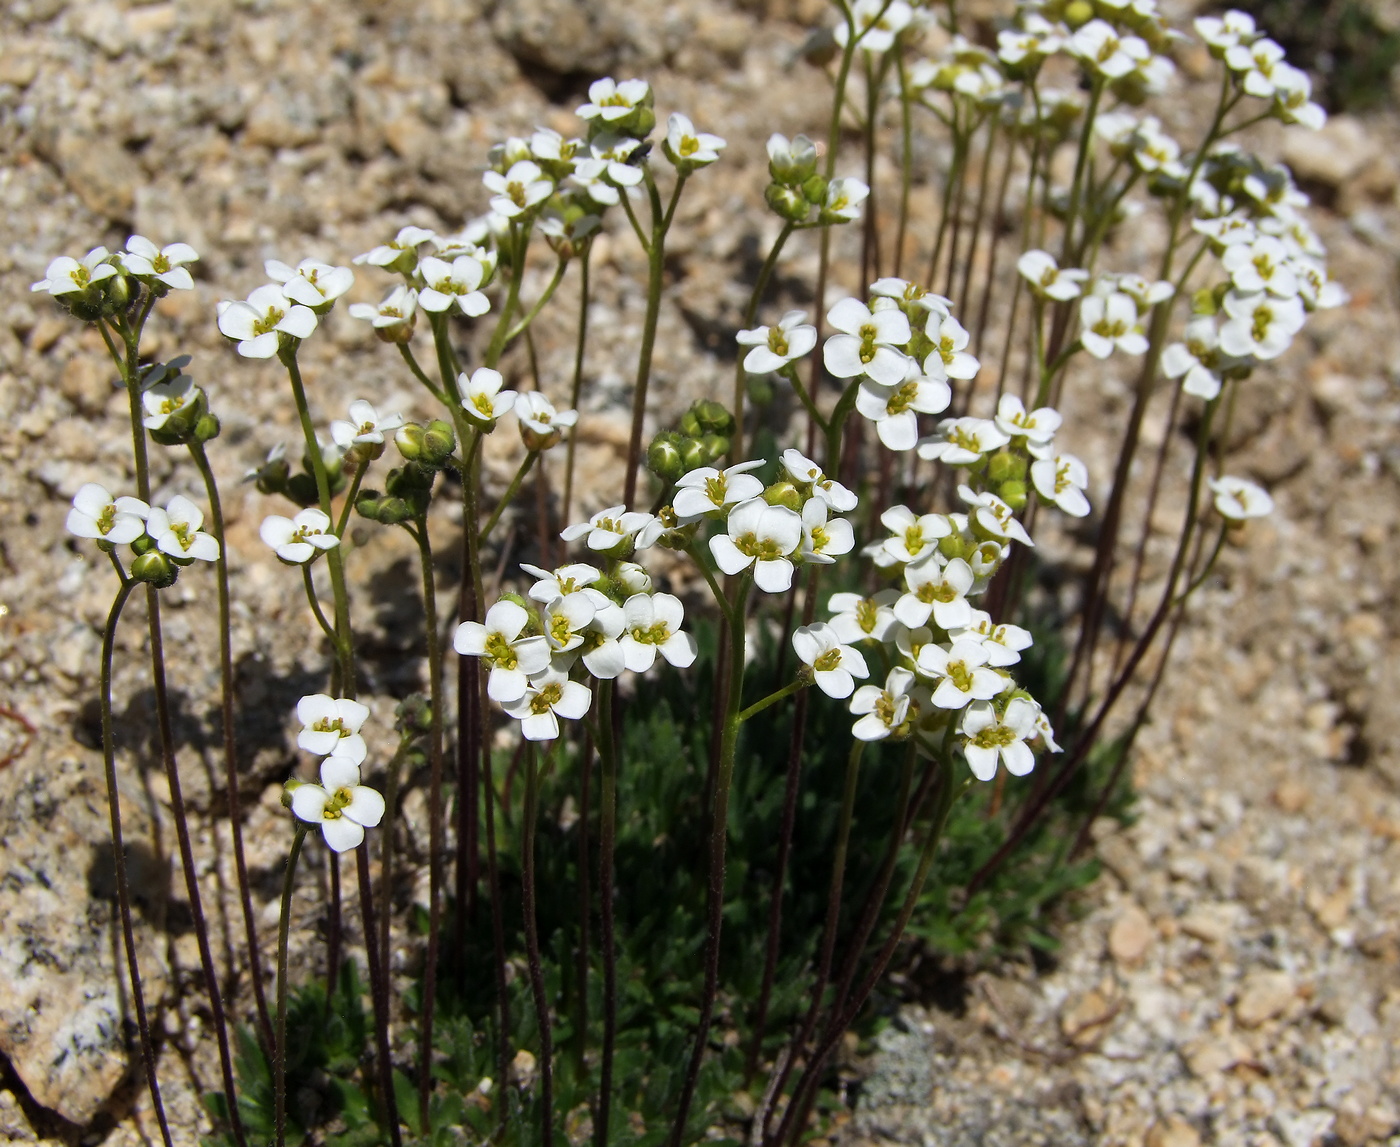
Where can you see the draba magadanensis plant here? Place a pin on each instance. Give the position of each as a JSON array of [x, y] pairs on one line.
[[634, 795]]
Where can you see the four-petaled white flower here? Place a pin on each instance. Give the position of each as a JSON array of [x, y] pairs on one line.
[[611, 101], [805, 472], [913, 537], [994, 515], [1045, 276], [1110, 323], [653, 625], [1239, 499], [482, 396], [258, 322], [1037, 426], [331, 727], [97, 515], [1198, 362], [573, 578], [989, 737], [937, 590], [1003, 643], [962, 441], [688, 148], [166, 399], [910, 295], [395, 310], [1107, 52], [537, 414], [342, 806], [791, 161], [843, 200], [456, 282], [1062, 480], [775, 347], [949, 340], [1256, 62], [175, 531], [1259, 324], [519, 189], [565, 618], [1221, 33], [884, 711], [856, 618], [164, 264], [877, 23], [961, 671], [895, 410], [1264, 265], [407, 241], [615, 528], [835, 665], [365, 426], [299, 539], [761, 536], [824, 541], [66, 274], [512, 658], [707, 490], [311, 283], [548, 696], [867, 342]]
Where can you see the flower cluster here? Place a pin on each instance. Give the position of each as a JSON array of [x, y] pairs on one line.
[[340, 805], [161, 540], [102, 283], [288, 308]]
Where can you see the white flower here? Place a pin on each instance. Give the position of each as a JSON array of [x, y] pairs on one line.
[[601, 650], [537, 413], [257, 323], [1263, 265], [1003, 643], [1036, 39], [548, 146], [791, 162], [1037, 427], [895, 410], [706, 490], [1146, 293], [331, 727], [962, 441], [632, 577], [1040, 269], [877, 23], [824, 541], [297, 540], [175, 531], [775, 347], [867, 342], [549, 696], [455, 282], [564, 620], [1154, 150], [310, 283], [989, 737], [396, 308], [519, 189], [614, 529], [1222, 33], [1259, 324], [342, 806], [1293, 98], [66, 275], [611, 101], [913, 538], [805, 472], [835, 666], [910, 295], [512, 658], [856, 618], [96, 514], [1227, 230], [1062, 480], [843, 200], [573, 578], [165, 264], [883, 711], [1104, 51], [961, 672], [1111, 323], [1238, 499], [1256, 63], [407, 241], [688, 148], [761, 536], [365, 426], [1199, 359], [653, 625], [994, 515], [937, 590], [166, 399], [482, 396]]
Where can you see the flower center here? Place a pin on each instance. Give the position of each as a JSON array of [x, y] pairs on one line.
[[560, 629], [269, 321], [764, 549], [160, 264], [330, 725], [867, 613], [483, 405], [903, 398], [867, 342], [546, 698], [960, 675], [183, 534], [658, 633], [777, 343], [689, 145], [499, 651], [828, 662], [716, 488], [1263, 317], [340, 800], [993, 737]]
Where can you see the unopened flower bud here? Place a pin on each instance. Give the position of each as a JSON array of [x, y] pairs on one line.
[[787, 203], [693, 454], [117, 291], [1078, 13], [784, 494], [1005, 466], [714, 416], [409, 439], [814, 189], [207, 428], [952, 546], [633, 578], [414, 714], [715, 446], [690, 424], [438, 443], [154, 568], [664, 456], [289, 786], [1013, 493]]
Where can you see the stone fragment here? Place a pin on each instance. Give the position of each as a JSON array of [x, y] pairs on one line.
[[1211, 1054], [1209, 923], [1084, 1022], [562, 36], [1131, 936], [1292, 796], [19, 64], [102, 173], [1330, 911], [1263, 996], [1173, 1131], [1330, 156]]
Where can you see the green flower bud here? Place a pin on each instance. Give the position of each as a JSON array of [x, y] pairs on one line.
[[715, 446], [787, 203], [1013, 493], [814, 189], [438, 443], [414, 714], [207, 428], [142, 545], [690, 424], [1004, 466], [693, 454], [1204, 302], [714, 416], [301, 489], [288, 788], [784, 494], [759, 388], [154, 568], [116, 290], [952, 547], [271, 477], [409, 439], [1078, 13], [664, 456]]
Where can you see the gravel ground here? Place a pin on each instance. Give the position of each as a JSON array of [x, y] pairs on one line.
[[1232, 978]]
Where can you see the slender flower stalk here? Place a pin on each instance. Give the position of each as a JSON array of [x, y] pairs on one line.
[[279, 1064]]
